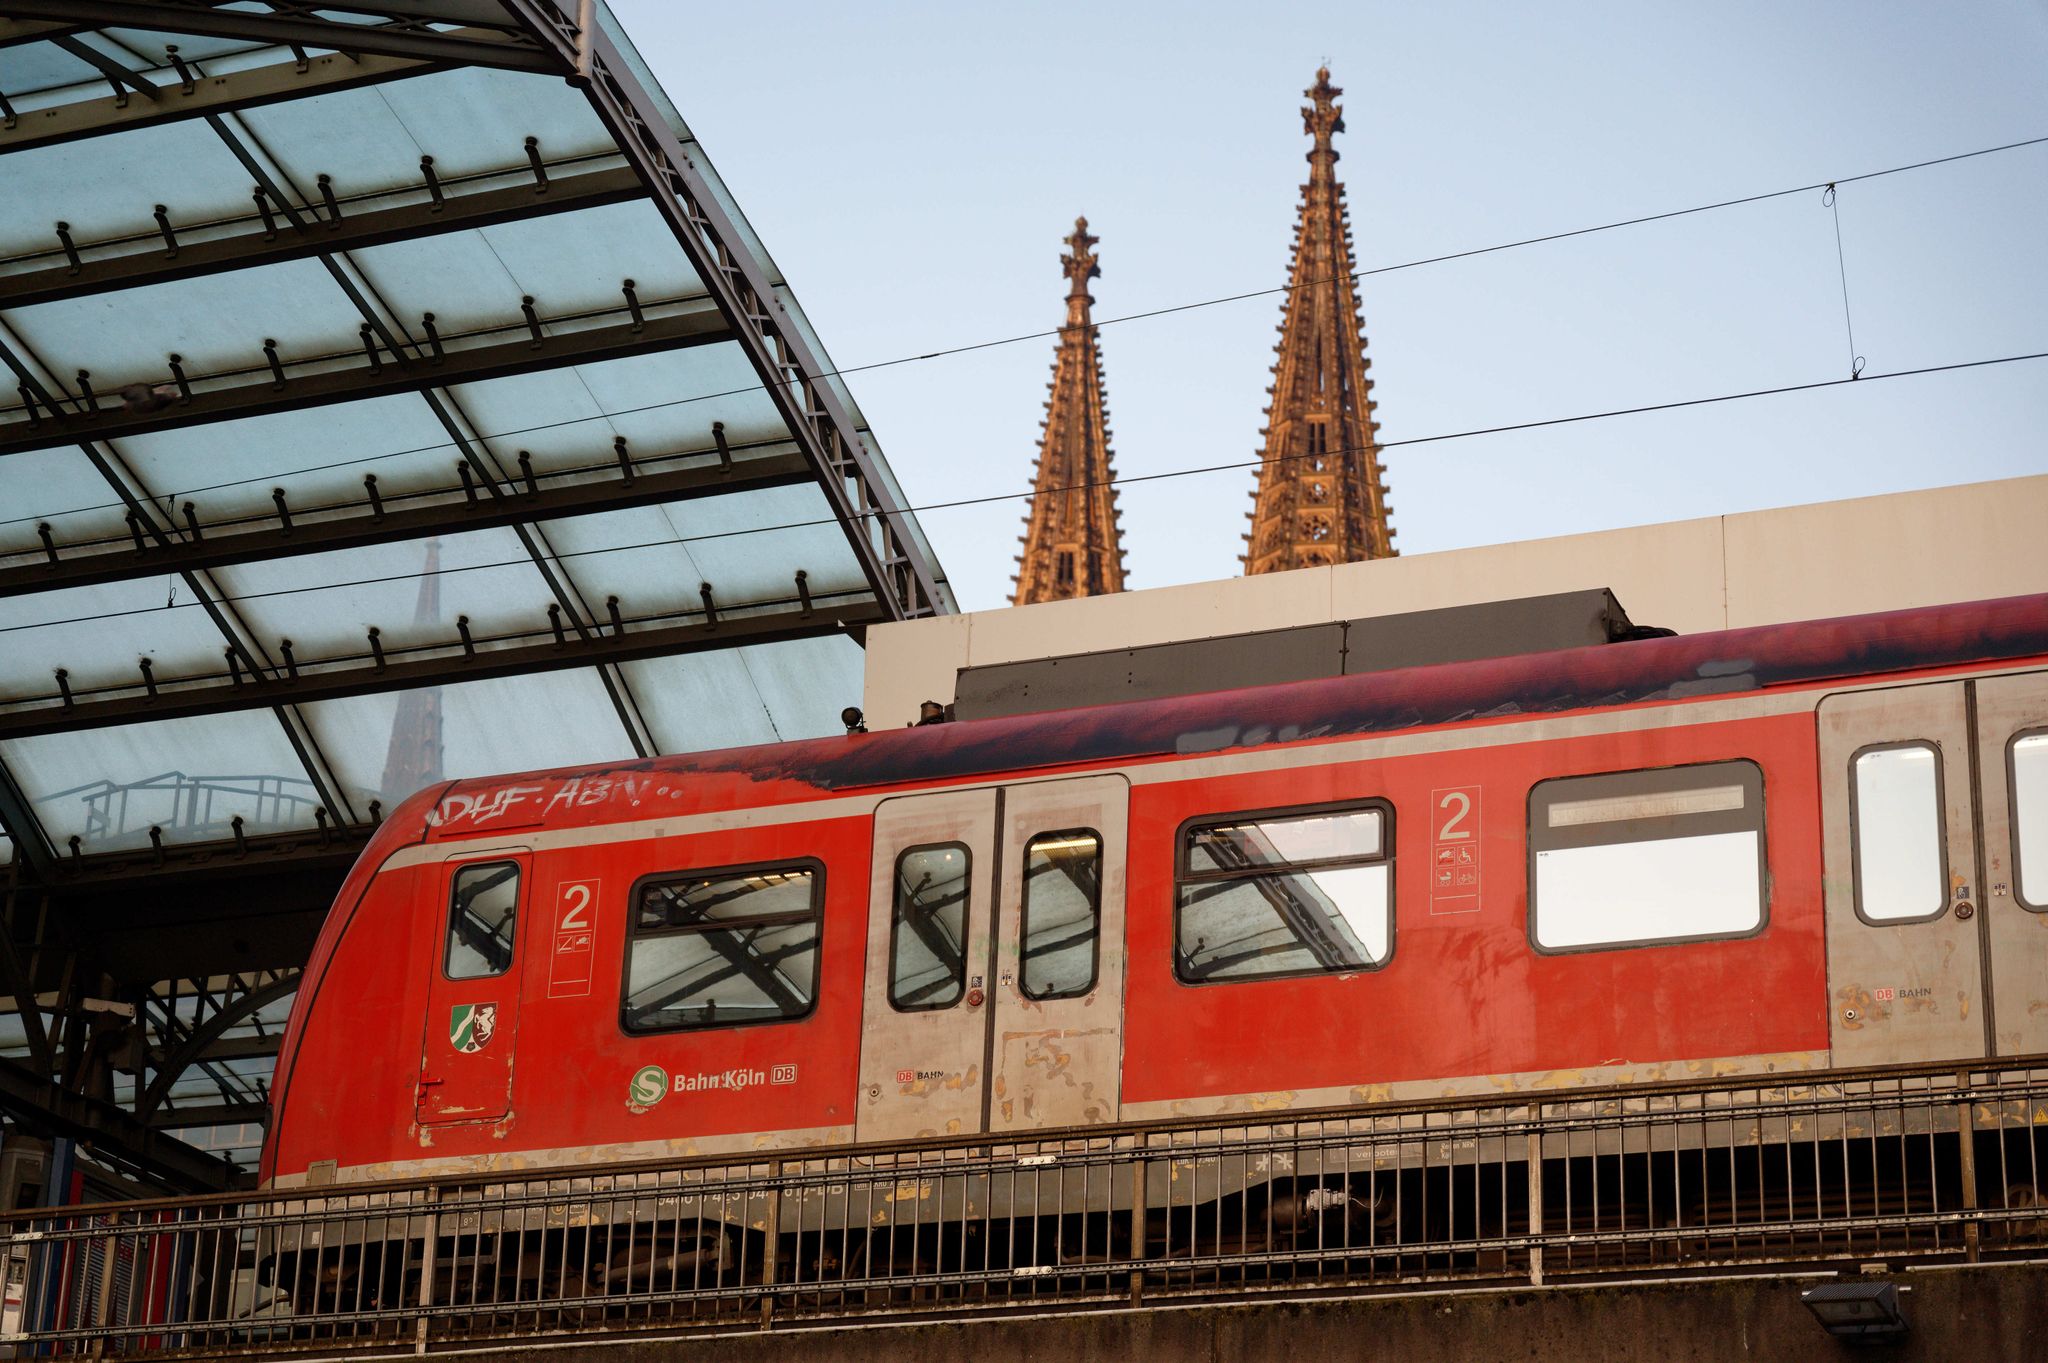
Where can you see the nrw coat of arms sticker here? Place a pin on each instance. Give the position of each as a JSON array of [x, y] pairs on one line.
[[471, 1026]]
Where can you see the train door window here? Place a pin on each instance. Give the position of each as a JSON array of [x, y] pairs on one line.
[[483, 909], [1062, 914], [722, 948], [1266, 895], [928, 929], [1895, 828], [1627, 858], [2027, 764]]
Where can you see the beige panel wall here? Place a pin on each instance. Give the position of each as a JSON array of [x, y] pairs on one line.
[[1963, 543]]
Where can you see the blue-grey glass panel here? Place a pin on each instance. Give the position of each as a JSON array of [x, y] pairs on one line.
[[568, 263], [216, 322], [58, 486], [326, 603], [98, 633], [193, 47], [660, 403], [383, 747], [654, 558], [181, 165], [469, 120], [29, 69], [765, 693], [317, 455], [190, 777]]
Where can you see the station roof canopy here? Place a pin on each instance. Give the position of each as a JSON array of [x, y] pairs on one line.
[[396, 394]]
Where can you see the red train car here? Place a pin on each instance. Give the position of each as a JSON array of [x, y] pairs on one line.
[[1783, 848]]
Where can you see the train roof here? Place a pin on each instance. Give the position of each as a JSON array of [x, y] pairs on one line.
[[1641, 671]]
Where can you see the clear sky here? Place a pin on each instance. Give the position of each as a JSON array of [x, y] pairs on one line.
[[913, 167]]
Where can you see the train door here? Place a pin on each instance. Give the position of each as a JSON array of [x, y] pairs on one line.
[[2012, 763], [1059, 974], [923, 1055], [473, 990], [1905, 964]]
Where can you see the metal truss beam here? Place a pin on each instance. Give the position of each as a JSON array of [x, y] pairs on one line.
[[47, 1108], [406, 31], [362, 378], [211, 94], [875, 523], [208, 863], [147, 262], [207, 1034], [213, 695], [209, 1114], [316, 531]]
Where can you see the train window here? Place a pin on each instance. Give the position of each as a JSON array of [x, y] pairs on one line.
[[483, 909], [1062, 918], [1629, 858], [2027, 765], [928, 930], [1266, 895], [721, 948], [1895, 832]]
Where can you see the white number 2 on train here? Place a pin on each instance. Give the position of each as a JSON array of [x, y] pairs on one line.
[[1449, 831], [575, 901]]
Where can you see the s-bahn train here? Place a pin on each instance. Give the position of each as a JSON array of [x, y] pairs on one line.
[[1786, 848]]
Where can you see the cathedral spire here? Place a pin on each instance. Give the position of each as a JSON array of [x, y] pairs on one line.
[[1321, 495], [1072, 545], [413, 759]]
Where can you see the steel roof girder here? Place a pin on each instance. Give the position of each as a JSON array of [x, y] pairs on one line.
[[388, 374], [405, 34], [224, 695], [368, 525], [151, 264], [209, 94]]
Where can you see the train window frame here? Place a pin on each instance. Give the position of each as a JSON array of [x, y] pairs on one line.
[[634, 932], [2012, 816], [1940, 833], [1024, 917], [896, 927], [461, 869], [1536, 844], [1182, 876]]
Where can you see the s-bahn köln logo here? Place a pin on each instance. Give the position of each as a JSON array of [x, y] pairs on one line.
[[471, 1026], [651, 1083]]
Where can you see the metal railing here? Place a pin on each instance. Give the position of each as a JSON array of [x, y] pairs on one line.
[[1747, 1174]]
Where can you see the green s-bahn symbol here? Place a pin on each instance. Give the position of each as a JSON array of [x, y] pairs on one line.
[[649, 1086]]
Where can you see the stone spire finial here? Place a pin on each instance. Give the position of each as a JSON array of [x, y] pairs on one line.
[[1321, 496], [1073, 545]]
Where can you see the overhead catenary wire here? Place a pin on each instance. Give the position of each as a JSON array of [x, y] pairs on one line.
[[1046, 333], [1677, 404]]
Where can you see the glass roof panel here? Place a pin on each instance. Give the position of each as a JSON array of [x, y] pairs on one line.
[[59, 486], [568, 262], [189, 776], [217, 322], [154, 617], [763, 693], [471, 120], [31, 68], [150, 43], [326, 603], [181, 165], [316, 454], [554, 719], [653, 558], [561, 415]]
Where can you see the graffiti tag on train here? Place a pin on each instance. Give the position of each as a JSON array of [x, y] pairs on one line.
[[626, 788]]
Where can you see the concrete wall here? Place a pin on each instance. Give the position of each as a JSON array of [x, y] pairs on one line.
[[1964, 543], [1984, 1315]]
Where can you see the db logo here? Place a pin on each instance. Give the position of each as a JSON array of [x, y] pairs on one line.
[[782, 1074], [906, 1076]]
